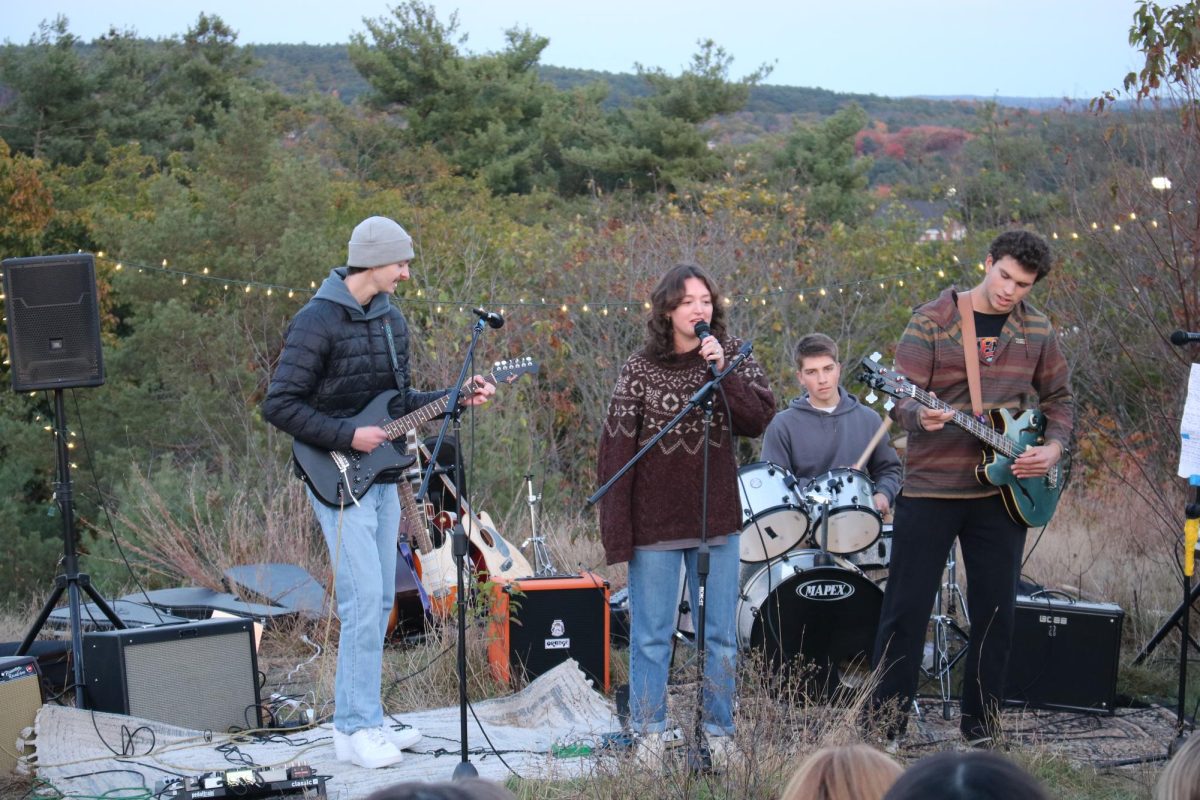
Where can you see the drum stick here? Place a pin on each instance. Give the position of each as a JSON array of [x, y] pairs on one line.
[[858, 465]]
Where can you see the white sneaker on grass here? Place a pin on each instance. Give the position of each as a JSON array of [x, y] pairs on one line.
[[367, 748]]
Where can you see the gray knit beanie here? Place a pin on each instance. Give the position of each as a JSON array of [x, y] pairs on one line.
[[377, 242]]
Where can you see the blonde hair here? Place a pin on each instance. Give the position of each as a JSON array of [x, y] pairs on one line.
[[1180, 779], [850, 772]]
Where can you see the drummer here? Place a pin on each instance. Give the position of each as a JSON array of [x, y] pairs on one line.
[[827, 428]]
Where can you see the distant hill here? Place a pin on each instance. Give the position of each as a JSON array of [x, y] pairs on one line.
[[295, 68]]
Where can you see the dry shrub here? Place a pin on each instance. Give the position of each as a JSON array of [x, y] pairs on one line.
[[251, 528]]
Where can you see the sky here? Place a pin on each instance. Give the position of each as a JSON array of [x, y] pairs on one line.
[[1002, 48]]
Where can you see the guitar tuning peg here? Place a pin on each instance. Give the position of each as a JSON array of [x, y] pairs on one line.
[[875, 356], [871, 397], [889, 405]]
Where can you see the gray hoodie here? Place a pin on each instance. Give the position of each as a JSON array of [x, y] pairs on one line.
[[810, 442]]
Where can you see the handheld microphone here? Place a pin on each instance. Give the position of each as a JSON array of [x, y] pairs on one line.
[[1181, 338], [703, 331], [490, 317]]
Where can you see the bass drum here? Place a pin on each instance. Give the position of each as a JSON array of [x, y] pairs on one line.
[[812, 611], [774, 515]]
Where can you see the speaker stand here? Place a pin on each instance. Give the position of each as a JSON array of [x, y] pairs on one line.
[[71, 580]]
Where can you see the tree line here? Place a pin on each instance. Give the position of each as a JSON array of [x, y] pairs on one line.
[[180, 163]]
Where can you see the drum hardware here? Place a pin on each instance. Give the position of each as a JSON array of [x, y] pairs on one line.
[[822, 502], [543, 566], [950, 640]]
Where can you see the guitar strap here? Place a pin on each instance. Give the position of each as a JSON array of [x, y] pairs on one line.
[[970, 351], [391, 343]]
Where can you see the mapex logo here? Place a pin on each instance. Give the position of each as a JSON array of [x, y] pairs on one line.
[[824, 589]]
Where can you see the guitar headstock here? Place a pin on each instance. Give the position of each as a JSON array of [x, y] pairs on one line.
[[888, 381], [510, 370]]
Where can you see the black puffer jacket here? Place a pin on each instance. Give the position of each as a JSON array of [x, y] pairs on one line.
[[335, 360]]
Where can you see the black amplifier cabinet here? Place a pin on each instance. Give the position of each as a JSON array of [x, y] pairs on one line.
[[1065, 654]]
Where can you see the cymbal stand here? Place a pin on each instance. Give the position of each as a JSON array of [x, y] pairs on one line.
[[949, 639], [542, 565]]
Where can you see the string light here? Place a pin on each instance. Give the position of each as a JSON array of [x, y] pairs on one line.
[[602, 306]]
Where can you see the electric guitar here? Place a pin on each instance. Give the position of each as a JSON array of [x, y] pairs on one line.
[[1029, 501], [338, 476]]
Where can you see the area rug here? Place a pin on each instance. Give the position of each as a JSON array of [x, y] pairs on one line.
[[82, 752]]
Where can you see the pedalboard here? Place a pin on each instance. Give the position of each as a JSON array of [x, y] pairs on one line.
[[298, 780]]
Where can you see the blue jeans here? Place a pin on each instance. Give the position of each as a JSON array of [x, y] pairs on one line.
[[364, 561], [653, 603]]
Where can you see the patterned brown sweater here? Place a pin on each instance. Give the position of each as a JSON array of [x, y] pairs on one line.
[[659, 499], [1029, 371]]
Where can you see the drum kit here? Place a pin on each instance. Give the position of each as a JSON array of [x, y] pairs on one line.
[[806, 597]]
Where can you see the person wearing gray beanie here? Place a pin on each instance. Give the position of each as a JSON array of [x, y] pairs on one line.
[[332, 366], [377, 242]]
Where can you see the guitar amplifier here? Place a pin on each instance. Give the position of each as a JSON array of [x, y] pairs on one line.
[[537, 623], [1064, 654], [201, 675], [20, 700]]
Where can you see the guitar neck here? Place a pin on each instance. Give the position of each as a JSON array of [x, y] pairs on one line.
[[418, 525], [980, 430], [414, 419]]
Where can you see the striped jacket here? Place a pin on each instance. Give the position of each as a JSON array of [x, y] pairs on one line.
[[1028, 371]]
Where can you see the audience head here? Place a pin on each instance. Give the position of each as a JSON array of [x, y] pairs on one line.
[[1180, 780], [974, 775], [469, 789], [852, 772]]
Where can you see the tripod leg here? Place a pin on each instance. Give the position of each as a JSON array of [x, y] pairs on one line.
[[60, 584]]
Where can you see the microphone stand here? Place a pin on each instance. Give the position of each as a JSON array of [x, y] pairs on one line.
[[458, 541], [699, 758]]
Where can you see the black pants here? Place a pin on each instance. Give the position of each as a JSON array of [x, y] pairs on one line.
[[992, 546]]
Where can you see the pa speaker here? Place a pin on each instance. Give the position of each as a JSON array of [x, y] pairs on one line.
[[537, 623], [20, 699], [53, 322], [1064, 654], [200, 675]]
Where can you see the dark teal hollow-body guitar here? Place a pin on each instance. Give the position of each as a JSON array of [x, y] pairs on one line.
[[1029, 501]]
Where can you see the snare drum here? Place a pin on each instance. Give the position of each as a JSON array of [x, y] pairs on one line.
[[854, 522], [813, 606], [774, 515]]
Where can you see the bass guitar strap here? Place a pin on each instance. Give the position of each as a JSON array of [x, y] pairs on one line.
[[970, 351]]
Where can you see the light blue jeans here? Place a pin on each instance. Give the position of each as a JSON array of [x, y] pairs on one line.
[[364, 560], [653, 603]]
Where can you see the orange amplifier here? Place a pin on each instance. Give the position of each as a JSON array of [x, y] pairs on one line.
[[537, 623]]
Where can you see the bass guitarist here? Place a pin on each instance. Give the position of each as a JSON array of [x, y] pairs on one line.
[[347, 345], [1020, 366]]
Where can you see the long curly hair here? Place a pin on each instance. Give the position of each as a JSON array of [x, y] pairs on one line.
[[666, 297]]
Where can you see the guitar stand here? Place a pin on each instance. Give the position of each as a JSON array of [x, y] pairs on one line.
[[946, 633]]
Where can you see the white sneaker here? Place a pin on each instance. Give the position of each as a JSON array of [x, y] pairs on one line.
[[367, 748], [402, 737], [651, 748], [723, 750]]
